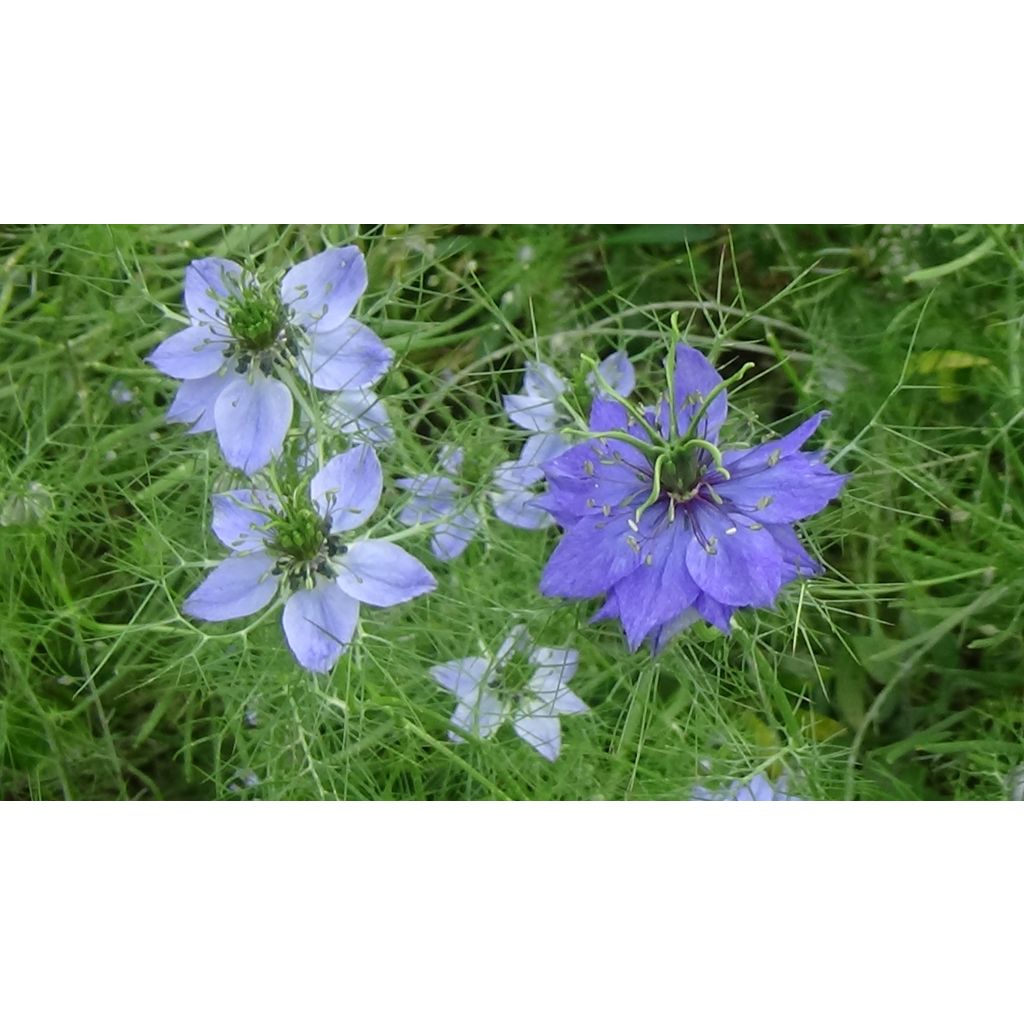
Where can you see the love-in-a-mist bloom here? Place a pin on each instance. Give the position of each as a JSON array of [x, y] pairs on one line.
[[521, 683], [760, 787], [667, 526], [304, 545], [440, 500], [538, 407], [246, 338]]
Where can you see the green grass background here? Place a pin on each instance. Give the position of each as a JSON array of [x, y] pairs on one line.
[[897, 675]]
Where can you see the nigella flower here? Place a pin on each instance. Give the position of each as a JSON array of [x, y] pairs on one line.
[[514, 495], [522, 683], [539, 409], [441, 499], [304, 546], [244, 336], [669, 528], [760, 787]]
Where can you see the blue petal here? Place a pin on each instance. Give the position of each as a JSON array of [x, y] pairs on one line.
[[761, 455], [240, 585], [592, 556], [462, 676], [695, 378], [350, 356], [348, 488], [542, 732], [451, 538], [238, 524], [714, 612], [194, 403], [252, 420], [361, 412], [531, 412], [617, 372], [480, 714], [792, 488], [381, 573], [207, 283], [797, 562], [663, 634], [190, 354], [543, 381], [431, 498], [658, 592], [450, 459], [323, 290], [549, 684], [731, 558], [319, 625], [541, 448]]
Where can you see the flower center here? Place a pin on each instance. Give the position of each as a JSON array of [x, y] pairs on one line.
[[511, 678], [261, 330], [305, 547]]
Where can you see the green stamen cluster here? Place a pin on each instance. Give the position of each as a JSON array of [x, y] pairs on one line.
[[510, 679], [260, 328], [305, 547]]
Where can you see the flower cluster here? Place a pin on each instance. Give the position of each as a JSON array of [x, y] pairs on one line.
[[760, 787], [667, 527], [657, 519], [243, 361]]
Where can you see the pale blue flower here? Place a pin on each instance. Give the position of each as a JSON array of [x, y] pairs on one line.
[[242, 337], [760, 787], [487, 697], [308, 551]]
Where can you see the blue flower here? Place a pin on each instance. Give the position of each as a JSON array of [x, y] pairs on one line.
[[760, 787], [514, 495], [669, 528], [243, 337], [306, 549], [441, 499], [538, 408], [489, 693]]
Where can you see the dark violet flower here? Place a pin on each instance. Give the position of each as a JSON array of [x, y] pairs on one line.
[[538, 407], [760, 787], [522, 683], [669, 528], [306, 548], [243, 337], [441, 499]]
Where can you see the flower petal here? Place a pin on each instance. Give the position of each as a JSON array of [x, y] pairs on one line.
[[695, 378], [480, 715], [381, 573], [348, 488], [452, 537], [431, 499], [541, 448], [732, 558], [323, 290], [350, 356], [195, 401], [617, 372], [252, 420], [361, 412], [319, 625], [463, 675], [207, 283], [543, 381], [542, 732], [549, 683], [237, 523], [760, 456], [715, 613], [797, 562], [240, 585], [532, 412], [661, 588], [190, 354], [663, 634], [513, 501], [784, 491], [592, 555]]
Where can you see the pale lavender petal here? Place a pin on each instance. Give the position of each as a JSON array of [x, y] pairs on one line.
[[239, 519], [617, 372], [348, 488], [479, 716], [531, 412], [240, 585], [195, 401], [361, 412], [323, 290], [462, 676], [517, 642], [190, 354], [543, 381], [542, 732], [319, 625], [515, 507], [207, 283], [252, 420], [541, 448], [424, 508], [350, 356], [451, 538], [381, 573], [450, 459]]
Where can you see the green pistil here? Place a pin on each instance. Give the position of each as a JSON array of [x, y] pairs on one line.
[[304, 546], [257, 320]]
